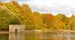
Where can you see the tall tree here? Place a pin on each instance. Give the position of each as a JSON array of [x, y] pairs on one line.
[[47, 20], [62, 18], [5, 17], [37, 20], [27, 17], [71, 23]]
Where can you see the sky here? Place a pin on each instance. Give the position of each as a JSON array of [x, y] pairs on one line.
[[54, 7]]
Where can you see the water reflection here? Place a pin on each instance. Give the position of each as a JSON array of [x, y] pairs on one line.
[[30, 35], [16, 36], [4, 37], [39, 35]]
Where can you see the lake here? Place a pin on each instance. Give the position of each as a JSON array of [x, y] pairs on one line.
[[39, 35]]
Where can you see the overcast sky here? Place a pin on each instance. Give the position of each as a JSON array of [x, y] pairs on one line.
[[66, 7]]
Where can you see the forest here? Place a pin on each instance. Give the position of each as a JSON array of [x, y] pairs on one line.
[[14, 13]]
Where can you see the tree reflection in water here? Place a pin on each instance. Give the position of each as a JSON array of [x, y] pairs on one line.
[[32, 35], [16, 36], [4, 36]]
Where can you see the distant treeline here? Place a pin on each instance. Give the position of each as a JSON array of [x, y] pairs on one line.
[[14, 13]]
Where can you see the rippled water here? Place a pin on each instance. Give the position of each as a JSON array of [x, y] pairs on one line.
[[32, 35]]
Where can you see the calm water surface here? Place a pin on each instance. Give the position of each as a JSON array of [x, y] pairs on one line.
[[31, 35]]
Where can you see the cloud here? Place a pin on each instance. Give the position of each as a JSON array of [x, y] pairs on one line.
[[23, 0], [3, 0], [66, 7], [17, 0], [68, 11]]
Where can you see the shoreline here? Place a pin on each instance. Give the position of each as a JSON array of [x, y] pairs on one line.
[[6, 32]]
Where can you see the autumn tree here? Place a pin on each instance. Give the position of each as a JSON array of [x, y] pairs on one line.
[[71, 23], [59, 25], [53, 23], [1, 3], [47, 20], [62, 18], [16, 4], [27, 17], [11, 7], [37, 20], [23, 13]]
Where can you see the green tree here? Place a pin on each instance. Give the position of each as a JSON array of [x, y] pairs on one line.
[[15, 21], [5, 17]]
